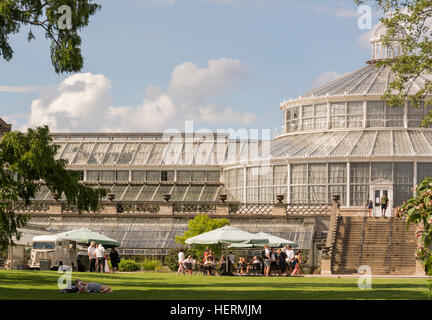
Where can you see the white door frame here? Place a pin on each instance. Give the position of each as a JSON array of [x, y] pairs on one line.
[[381, 186]]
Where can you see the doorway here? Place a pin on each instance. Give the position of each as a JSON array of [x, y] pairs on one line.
[[377, 191]]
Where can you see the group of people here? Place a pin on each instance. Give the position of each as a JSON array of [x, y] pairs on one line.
[[384, 202], [271, 262], [98, 259], [282, 261]]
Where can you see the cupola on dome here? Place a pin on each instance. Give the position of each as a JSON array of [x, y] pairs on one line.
[[380, 51]]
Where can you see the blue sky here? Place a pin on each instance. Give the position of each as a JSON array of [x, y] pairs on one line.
[[151, 64]]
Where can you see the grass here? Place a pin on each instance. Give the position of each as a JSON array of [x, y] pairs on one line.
[[169, 286]]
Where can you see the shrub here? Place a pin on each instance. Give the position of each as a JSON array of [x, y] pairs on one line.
[[129, 266], [151, 265]]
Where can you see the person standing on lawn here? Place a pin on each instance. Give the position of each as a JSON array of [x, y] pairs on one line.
[[100, 255], [282, 262], [266, 259], [290, 258], [115, 259], [297, 264], [181, 259], [91, 251]]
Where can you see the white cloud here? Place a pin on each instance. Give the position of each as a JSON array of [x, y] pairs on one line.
[[19, 89], [82, 102], [325, 78]]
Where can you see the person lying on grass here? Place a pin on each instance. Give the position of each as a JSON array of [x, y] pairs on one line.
[[91, 287]]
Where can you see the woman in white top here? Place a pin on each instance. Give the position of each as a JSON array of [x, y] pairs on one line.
[[181, 258]]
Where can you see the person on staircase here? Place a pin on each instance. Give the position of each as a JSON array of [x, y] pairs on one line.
[[369, 205], [384, 204]]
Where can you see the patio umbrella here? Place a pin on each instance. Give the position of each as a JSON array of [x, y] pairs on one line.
[[85, 236], [226, 235], [273, 241]]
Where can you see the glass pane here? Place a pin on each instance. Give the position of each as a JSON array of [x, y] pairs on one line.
[[355, 107], [381, 170], [153, 175], [359, 173], [298, 174], [198, 176], [184, 176], [213, 176], [122, 176], [138, 176], [337, 173], [318, 174]]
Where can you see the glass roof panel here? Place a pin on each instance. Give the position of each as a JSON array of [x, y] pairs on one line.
[[420, 143], [161, 191], [127, 153], [300, 144], [113, 153], [147, 193], [42, 193], [118, 191], [383, 144], [142, 154], [98, 154], [364, 144], [178, 193], [380, 83], [428, 136], [203, 153], [60, 150], [401, 143], [327, 146], [70, 152], [311, 146], [209, 193], [132, 193], [157, 154], [346, 145], [193, 193], [83, 154], [173, 154]]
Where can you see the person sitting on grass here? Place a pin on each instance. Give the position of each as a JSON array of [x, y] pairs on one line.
[[91, 287]]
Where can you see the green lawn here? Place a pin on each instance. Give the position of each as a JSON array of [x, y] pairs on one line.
[[43, 285]]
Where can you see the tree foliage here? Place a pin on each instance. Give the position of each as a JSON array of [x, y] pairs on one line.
[[44, 14], [414, 17], [200, 224], [25, 161], [418, 210]]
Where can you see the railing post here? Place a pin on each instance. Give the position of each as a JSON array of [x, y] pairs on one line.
[[279, 208], [55, 208], [110, 207], [327, 251], [166, 209], [222, 209]]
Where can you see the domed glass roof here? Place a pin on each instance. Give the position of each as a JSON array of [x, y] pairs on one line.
[[369, 80], [345, 144]]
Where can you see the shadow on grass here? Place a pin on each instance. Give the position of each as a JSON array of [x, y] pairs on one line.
[[223, 294]]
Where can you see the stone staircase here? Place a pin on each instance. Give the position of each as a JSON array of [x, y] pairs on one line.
[[386, 245]]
